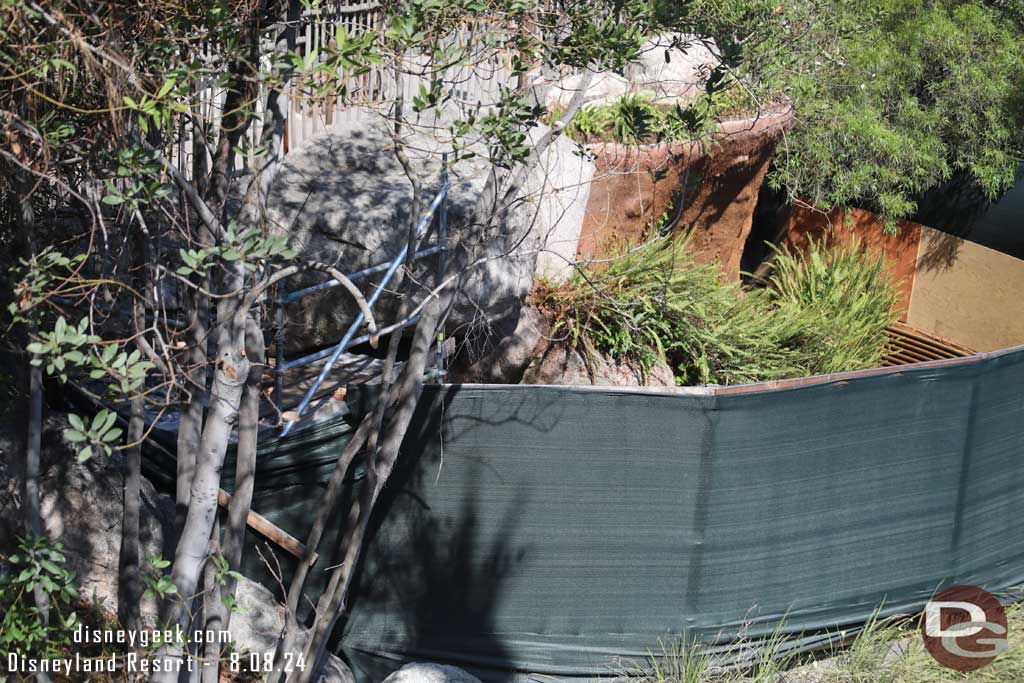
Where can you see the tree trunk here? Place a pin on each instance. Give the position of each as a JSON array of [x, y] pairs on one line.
[[325, 510], [33, 515], [129, 582], [218, 616], [190, 424], [34, 443], [229, 380], [208, 617], [379, 467]]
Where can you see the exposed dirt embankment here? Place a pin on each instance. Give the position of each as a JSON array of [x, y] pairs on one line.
[[711, 187], [837, 226]]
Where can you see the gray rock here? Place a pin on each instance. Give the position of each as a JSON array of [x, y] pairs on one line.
[[669, 68], [603, 87], [430, 673], [81, 506], [560, 364], [503, 353], [673, 68], [344, 199]]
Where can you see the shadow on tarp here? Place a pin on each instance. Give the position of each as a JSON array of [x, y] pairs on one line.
[[560, 532], [539, 533]]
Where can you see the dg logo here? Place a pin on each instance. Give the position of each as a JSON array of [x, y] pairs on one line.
[[964, 628]]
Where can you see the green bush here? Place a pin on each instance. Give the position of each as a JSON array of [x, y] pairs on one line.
[[636, 119], [825, 312], [893, 97], [844, 297], [39, 563]]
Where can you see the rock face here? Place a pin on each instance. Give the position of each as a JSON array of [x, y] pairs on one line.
[[603, 87], [670, 68], [502, 353], [344, 199], [559, 364], [711, 191], [520, 349], [430, 673], [711, 188], [673, 68], [81, 507]]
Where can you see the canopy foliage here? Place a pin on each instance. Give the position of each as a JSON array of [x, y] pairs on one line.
[[892, 97]]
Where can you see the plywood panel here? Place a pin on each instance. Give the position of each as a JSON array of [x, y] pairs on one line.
[[967, 293]]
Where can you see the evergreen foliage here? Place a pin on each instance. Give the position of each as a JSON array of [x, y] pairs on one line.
[[825, 311]]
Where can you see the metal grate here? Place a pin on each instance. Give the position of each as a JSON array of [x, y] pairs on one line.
[[909, 345]]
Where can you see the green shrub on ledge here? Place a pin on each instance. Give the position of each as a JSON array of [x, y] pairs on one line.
[[825, 311]]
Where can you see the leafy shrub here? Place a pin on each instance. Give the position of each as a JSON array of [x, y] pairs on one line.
[[656, 303], [846, 299], [589, 124], [39, 563], [824, 312], [636, 119], [912, 93]]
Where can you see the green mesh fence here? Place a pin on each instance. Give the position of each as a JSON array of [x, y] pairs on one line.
[[532, 532]]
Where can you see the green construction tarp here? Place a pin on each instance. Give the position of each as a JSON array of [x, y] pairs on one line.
[[535, 531], [306, 458], [291, 474], [539, 533]]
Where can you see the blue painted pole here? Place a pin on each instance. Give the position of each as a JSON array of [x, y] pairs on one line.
[[347, 339]]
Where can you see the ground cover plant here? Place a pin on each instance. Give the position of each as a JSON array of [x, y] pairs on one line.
[[887, 651], [637, 119], [822, 311]]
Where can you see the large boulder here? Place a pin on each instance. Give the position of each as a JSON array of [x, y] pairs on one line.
[[501, 354], [709, 190], [603, 87], [82, 508], [674, 67], [344, 199], [561, 364], [430, 673], [670, 68]]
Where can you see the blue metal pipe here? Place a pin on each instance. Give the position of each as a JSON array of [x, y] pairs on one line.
[[347, 339], [324, 353], [298, 294], [358, 275]]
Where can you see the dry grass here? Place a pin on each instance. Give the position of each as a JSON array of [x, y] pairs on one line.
[[885, 652]]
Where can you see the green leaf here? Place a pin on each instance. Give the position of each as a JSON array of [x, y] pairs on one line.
[[108, 353], [166, 87], [99, 420], [74, 436]]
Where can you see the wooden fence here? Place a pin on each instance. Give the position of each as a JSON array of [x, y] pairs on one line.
[[311, 114]]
